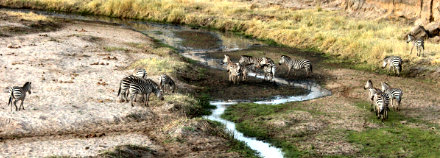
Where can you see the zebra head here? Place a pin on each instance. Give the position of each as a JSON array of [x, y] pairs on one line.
[[368, 85], [227, 59], [385, 62], [385, 86], [159, 94], [282, 60], [410, 38], [140, 72], [27, 87]]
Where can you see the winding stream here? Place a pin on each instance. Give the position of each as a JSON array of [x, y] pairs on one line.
[[226, 42]]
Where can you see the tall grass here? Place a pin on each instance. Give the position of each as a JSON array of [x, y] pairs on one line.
[[362, 41]]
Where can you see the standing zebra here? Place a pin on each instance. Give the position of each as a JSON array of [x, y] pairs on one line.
[[124, 85], [381, 101], [140, 72], [296, 64], [166, 81], [234, 70], [19, 93], [144, 87], [418, 43], [394, 94], [372, 91], [393, 62]]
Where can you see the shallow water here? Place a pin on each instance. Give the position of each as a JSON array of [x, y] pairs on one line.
[[194, 44]]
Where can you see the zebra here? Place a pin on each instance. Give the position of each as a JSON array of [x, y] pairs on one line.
[[394, 62], [418, 43], [394, 94], [381, 101], [140, 72], [124, 85], [233, 69], [251, 62], [144, 87], [369, 86], [296, 64], [19, 93], [269, 71], [165, 80]]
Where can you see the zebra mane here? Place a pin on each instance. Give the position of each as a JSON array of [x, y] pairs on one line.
[[27, 85], [287, 57]]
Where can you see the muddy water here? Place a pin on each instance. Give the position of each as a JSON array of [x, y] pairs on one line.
[[194, 43]]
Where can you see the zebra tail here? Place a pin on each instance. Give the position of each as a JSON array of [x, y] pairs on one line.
[[119, 91], [311, 68], [10, 97]]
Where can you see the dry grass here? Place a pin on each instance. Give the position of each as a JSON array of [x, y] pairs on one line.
[[366, 41], [31, 16]]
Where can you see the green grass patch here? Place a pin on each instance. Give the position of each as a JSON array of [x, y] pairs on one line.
[[251, 119], [111, 49], [394, 139]]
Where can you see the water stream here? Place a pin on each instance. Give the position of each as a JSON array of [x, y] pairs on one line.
[[174, 35]]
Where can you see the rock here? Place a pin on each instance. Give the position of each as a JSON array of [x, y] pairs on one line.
[[419, 32], [433, 29]]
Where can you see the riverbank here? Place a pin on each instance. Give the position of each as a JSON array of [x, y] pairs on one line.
[[360, 43], [75, 68]]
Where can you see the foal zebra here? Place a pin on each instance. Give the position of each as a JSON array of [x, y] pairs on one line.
[[19, 93], [296, 64], [234, 70], [393, 62], [372, 91], [418, 43], [381, 101], [393, 94], [144, 87], [269, 71], [166, 81]]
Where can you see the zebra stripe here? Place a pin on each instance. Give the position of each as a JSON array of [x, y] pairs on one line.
[[394, 94], [393, 62], [144, 87], [140, 72], [165, 80], [296, 64], [372, 91], [19, 93], [124, 85], [381, 101]]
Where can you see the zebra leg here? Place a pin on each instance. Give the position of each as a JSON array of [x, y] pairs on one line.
[[15, 104], [411, 49], [131, 99], [288, 72], [21, 105], [147, 99]]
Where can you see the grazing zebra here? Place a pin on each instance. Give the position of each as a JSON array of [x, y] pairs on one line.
[[296, 64], [381, 101], [393, 62], [369, 86], [124, 85], [394, 94], [233, 69], [140, 72], [251, 62], [166, 81], [19, 93], [418, 43], [144, 87]]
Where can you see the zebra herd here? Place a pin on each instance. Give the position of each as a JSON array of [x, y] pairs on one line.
[[382, 99], [129, 87], [267, 65], [138, 83]]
